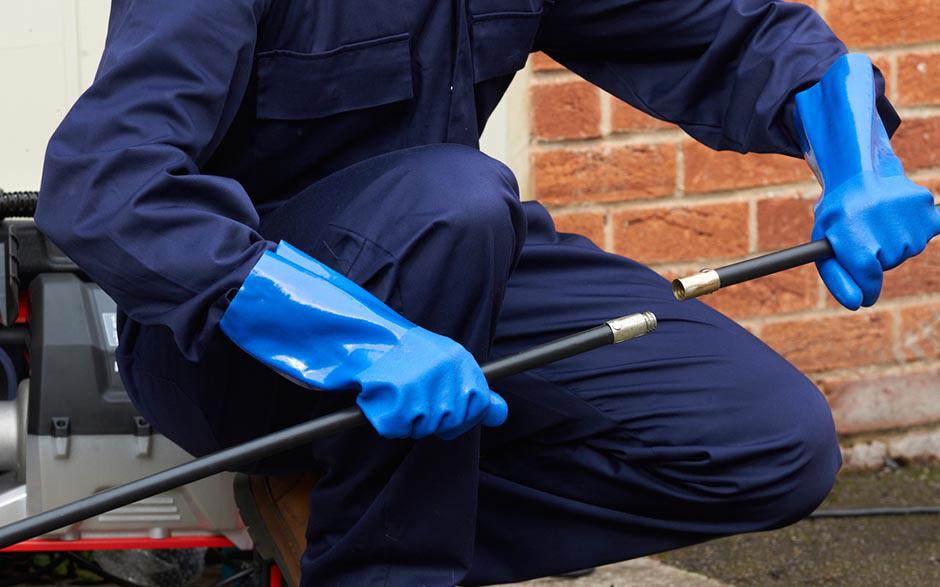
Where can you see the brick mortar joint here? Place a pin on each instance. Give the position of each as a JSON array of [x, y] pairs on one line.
[[680, 170], [691, 200], [867, 373], [556, 81], [823, 310], [588, 208], [805, 190], [917, 113], [887, 435], [876, 51], [606, 113], [608, 230], [548, 74], [614, 139], [897, 348], [752, 227]]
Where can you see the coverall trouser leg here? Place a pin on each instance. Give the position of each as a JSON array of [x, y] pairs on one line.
[[696, 431]]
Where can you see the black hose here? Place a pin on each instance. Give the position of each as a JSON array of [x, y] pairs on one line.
[[878, 511], [9, 373], [234, 578], [14, 335], [18, 204], [96, 569]]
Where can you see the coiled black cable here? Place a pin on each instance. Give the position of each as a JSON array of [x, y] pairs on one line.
[[9, 374], [18, 204], [876, 511]]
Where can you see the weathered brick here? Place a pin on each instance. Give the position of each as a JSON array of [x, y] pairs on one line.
[[707, 170], [866, 23], [789, 291], [565, 110], [920, 275], [919, 79], [920, 331], [917, 143], [822, 343], [870, 404], [589, 224], [884, 65], [542, 62], [626, 118], [632, 172], [784, 222], [682, 233]]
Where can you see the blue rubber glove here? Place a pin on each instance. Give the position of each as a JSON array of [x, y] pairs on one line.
[[321, 330], [873, 216]]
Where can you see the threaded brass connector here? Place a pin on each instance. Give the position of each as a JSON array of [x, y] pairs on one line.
[[698, 284], [632, 326]]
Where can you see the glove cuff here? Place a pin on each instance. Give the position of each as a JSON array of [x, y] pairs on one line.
[[841, 133], [308, 322]]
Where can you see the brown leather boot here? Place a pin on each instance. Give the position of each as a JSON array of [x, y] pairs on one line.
[[276, 509]]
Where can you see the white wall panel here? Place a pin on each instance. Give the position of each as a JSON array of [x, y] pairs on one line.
[[92, 29], [49, 50], [506, 136]]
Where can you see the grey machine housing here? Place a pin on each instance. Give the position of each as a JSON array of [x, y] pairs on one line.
[[72, 431]]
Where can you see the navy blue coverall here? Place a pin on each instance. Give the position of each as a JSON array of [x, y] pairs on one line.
[[350, 129]]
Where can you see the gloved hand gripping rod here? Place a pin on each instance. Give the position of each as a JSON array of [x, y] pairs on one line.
[[611, 332]]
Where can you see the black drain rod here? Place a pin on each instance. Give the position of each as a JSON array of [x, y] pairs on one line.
[[611, 332]]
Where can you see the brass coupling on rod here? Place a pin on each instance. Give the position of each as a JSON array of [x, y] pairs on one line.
[[698, 284]]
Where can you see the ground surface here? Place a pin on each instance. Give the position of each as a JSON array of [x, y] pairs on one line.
[[882, 551], [645, 572], [849, 551]]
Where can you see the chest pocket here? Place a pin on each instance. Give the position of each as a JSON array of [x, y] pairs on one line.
[[503, 34], [298, 86]]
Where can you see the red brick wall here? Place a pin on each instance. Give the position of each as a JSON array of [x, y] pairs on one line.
[[642, 188]]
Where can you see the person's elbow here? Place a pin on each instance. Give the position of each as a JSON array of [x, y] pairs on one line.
[[78, 194], [59, 194]]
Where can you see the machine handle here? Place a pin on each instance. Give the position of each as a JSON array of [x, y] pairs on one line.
[[611, 332]]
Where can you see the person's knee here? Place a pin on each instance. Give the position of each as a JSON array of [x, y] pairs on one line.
[[474, 197], [801, 460], [770, 463], [818, 458], [455, 229]]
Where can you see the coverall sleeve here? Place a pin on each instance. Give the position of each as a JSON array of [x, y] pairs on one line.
[[122, 191], [725, 71]]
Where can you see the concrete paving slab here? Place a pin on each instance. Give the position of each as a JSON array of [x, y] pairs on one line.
[[644, 572]]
